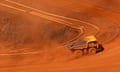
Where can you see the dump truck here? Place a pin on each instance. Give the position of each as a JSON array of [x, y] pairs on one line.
[[87, 46]]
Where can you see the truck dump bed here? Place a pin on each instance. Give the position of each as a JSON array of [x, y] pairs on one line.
[[81, 43], [76, 43]]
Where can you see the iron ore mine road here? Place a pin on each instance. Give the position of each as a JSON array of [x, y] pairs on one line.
[[98, 17]]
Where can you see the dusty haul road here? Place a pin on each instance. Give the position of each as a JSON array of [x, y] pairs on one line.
[[33, 35]]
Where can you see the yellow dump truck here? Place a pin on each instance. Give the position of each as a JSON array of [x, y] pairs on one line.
[[87, 46]]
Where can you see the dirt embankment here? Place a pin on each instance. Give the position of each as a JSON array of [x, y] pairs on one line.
[[24, 33]]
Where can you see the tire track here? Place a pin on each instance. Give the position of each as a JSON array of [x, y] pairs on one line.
[[49, 16]]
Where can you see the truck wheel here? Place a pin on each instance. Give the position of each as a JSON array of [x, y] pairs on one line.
[[92, 51], [78, 53], [85, 51], [100, 48]]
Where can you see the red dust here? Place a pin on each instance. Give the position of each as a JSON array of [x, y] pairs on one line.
[[43, 39]]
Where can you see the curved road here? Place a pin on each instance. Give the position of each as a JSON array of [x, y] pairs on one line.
[[73, 23], [105, 61]]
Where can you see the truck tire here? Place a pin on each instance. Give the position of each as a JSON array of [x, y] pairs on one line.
[[78, 53], [85, 51], [91, 51], [100, 48]]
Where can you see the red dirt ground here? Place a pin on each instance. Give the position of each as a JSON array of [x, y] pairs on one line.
[[38, 45]]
